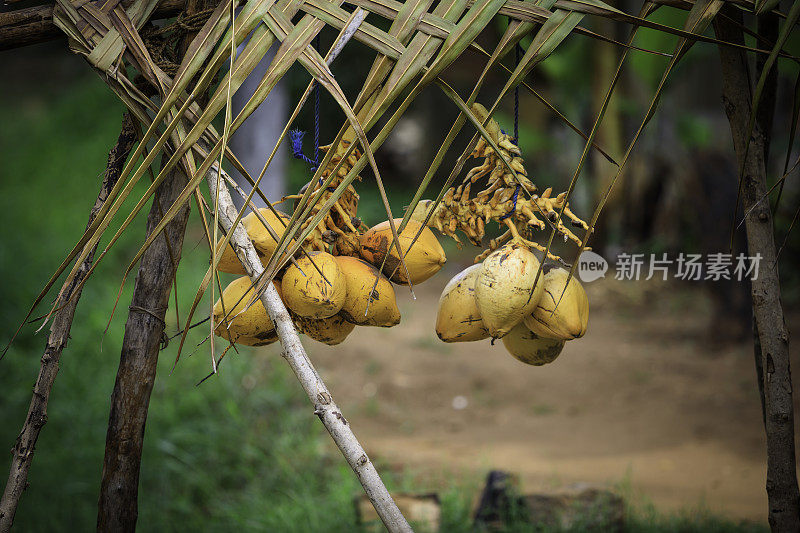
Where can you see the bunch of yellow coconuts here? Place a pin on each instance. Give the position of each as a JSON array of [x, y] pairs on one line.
[[326, 295], [501, 297]]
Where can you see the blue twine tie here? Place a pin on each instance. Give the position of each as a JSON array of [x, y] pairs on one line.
[[518, 52], [504, 133], [296, 136], [514, 208]]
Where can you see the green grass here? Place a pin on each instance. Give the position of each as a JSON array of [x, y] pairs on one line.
[[242, 452]]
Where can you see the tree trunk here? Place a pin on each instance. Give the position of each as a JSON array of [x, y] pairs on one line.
[[137, 367], [56, 342], [782, 490]]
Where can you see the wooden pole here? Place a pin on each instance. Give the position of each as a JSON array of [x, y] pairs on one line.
[[144, 329], [773, 337], [324, 407], [23, 27], [118, 506]]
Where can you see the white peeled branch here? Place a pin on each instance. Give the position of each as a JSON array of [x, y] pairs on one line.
[[324, 406]]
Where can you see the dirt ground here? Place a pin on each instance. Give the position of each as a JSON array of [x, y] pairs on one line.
[[644, 397]]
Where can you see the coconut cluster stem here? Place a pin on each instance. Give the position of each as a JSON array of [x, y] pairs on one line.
[[324, 407]]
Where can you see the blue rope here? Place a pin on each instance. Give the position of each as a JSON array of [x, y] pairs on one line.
[[296, 136], [514, 208], [518, 52], [316, 114], [504, 133]]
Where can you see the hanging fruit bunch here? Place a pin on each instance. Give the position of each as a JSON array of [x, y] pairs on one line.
[[509, 199], [500, 296], [337, 283], [498, 299], [344, 276], [340, 224]]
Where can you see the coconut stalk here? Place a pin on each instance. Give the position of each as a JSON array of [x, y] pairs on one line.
[[324, 407], [773, 337], [22, 453]]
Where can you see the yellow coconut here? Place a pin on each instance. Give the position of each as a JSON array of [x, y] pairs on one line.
[[252, 327], [263, 241], [459, 319], [332, 330], [504, 288], [531, 349], [316, 292], [424, 259], [364, 305], [556, 316], [421, 211]]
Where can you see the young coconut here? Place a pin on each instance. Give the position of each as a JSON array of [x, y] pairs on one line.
[[262, 240], [571, 314], [363, 305], [459, 319], [311, 294], [421, 211], [531, 349], [424, 259], [504, 288], [331, 331], [252, 327]]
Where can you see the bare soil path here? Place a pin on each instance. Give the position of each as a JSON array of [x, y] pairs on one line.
[[645, 396]]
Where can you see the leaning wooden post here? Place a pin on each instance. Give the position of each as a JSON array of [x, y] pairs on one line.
[[294, 353], [118, 505], [144, 329]]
